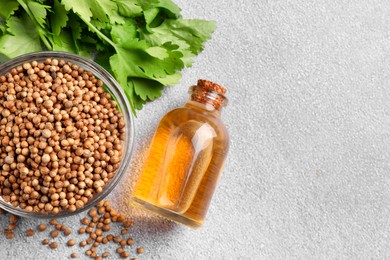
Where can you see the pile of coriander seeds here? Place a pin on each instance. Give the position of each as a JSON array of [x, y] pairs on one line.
[[60, 136]]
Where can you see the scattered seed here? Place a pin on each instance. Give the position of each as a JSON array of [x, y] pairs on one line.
[[30, 232], [82, 230], [53, 245], [120, 218], [42, 227], [89, 241], [73, 255], [58, 227], [71, 242], [89, 230], [117, 239], [85, 221], [124, 254], [45, 242], [92, 212], [127, 223], [54, 233], [13, 219], [140, 250], [67, 232], [12, 226], [10, 235]]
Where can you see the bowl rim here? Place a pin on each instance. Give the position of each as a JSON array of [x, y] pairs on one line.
[[115, 90]]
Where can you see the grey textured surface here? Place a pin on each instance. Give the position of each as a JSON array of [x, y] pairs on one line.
[[307, 175]]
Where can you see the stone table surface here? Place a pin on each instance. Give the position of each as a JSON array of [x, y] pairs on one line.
[[308, 173]]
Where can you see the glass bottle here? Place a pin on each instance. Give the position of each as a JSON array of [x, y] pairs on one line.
[[186, 158]]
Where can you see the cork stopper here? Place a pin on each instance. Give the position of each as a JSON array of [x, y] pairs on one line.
[[211, 86], [209, 93]]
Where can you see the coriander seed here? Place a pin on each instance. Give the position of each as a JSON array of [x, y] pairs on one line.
[[70, 242], [53, 245]]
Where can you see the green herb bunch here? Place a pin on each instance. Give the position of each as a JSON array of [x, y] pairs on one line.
[[143, 43]]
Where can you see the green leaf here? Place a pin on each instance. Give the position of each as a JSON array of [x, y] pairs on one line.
[[128, 8], [64, 42], [23, 38], [147, 89], [38, 11], [104, 11], [158, 12], [122, 33], [171, 7], [193, 32], [58, 18], [8, 8], [150, 15], [157, 52], [2, 29], [188, 35], [103, 59], [138, 63]]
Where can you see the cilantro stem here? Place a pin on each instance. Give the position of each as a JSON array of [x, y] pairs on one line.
[[44, 40], [102, 35]]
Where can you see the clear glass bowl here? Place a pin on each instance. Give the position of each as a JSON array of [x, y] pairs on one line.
[[123, 104]]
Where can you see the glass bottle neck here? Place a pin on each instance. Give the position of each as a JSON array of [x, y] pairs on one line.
[[206, 99]]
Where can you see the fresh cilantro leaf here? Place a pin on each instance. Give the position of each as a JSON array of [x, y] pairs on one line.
[[103, 59], [189, 35], [128, 8], [8, 8], [193, 32], [150, 15], [64, 42], [158, 12], [133, 54], [121, 33], [171, 7], [2, 29], [121, 76], [58, 18], [76, 29], [147, 89], [22, 37], [157, 52], [103, 10], [138, 103], [39, 11], [147, 4]]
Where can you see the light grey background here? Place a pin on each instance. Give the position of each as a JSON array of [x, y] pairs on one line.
[[307, 175]]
